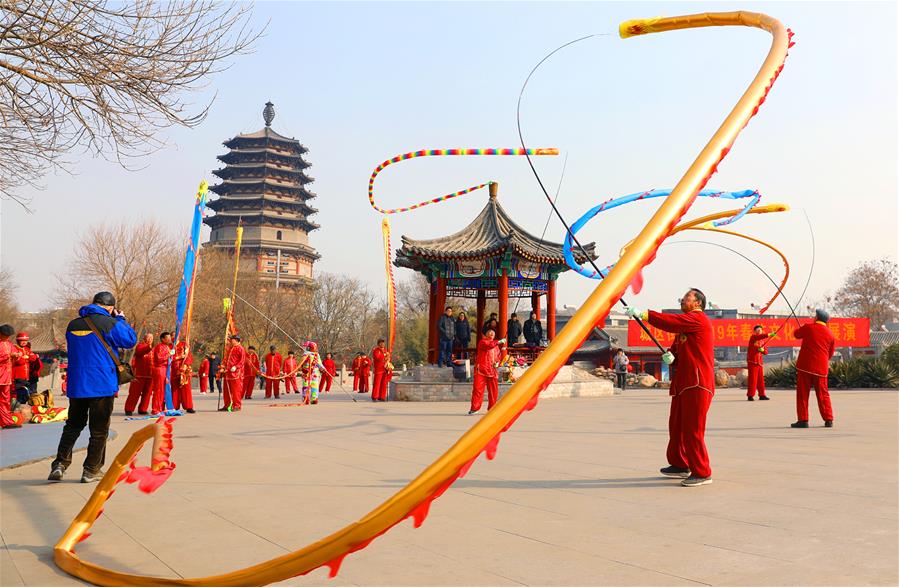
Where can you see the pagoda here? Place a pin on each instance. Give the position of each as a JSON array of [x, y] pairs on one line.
[[492, 257], [264, 187]]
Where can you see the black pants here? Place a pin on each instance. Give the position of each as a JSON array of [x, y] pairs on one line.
[[622, 380], [95, 413], [215, 383]]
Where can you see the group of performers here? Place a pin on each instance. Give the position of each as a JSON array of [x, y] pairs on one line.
[[238, 372], [380, 363], [691, 358], [20, 368]]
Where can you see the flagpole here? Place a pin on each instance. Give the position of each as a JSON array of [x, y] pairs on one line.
[[230, 311]]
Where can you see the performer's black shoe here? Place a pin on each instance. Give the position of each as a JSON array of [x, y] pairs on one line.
[[472, 412], [129, 413], [750, 398], [694, 481], [799, 424], [13, 425], [828, 423], [672, 471], [143, 413], [223, 409], [764, 398], [191, 411]]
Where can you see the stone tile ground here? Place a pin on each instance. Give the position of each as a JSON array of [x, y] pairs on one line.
[[572, 498]]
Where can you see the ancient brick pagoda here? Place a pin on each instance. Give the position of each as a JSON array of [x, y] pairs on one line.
[[493, 258], [264, 186]]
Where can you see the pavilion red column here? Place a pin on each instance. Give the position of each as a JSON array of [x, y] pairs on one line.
[[432, 325], [502, 294], [535, 304], [482, 308], [551, 310]]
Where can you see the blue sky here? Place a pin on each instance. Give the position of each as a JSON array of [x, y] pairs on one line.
[[360, 82]]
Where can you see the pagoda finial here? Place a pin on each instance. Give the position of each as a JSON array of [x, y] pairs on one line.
[[494, 190], [268, 113]]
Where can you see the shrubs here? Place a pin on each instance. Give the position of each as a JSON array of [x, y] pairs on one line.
[[891, 356], [855, 373], [782, 376]]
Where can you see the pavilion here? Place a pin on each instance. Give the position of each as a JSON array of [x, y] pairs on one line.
[[492, 258]]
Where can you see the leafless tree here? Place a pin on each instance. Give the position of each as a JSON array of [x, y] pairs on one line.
[[9, 309], [140, 264], [870, 290], [105, 76]]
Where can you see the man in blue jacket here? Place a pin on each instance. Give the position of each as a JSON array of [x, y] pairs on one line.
[[92, 382]]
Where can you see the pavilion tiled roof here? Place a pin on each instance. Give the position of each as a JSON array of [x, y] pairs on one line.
[[492, 232]]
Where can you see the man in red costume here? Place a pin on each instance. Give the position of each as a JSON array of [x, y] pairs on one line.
[[250, 371], [485, 374], [381, 360], [8, 354], [361, 373], [356, 368], [331, 368], [233, 366], [811, 368], [161, 353], [755, 362], [692, 386], [273, 363], [203, 374], [290, 373], [141, 386], [182, 362]]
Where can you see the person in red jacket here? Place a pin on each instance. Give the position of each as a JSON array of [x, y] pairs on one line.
[[160, 363], [755, 362], [273, 363], [383, 370], [817, 348], [182, 367], [361, 373], [140, 387], [250, 371], [485, 374], [290, 373], [331, 368], [8, 354], [356, 368], [203, 374], [692, 386], [23, 368], [233, 366]]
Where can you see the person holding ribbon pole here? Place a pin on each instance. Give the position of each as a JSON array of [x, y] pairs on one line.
[[692, 359]]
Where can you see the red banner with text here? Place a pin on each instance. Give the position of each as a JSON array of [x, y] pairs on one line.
[[848, 332]]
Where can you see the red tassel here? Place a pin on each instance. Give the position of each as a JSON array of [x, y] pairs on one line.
[[334, 565], [491, 447]]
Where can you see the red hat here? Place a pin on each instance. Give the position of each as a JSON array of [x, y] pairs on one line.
[[22, 336]]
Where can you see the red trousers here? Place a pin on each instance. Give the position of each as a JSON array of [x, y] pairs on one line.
[[290, 383], [182, 397], [248, 382], [362, 380], [204, 384], [233, 393], [379, 387], [272, 385], [477, 391], [756, 381], [686, 431], [804, 382], [326, 382], [157, 387], [5, 400], [139, 393]]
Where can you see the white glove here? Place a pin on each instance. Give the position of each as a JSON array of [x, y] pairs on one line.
[[636, 313], [502, 341], [668, 357], [233, 369]]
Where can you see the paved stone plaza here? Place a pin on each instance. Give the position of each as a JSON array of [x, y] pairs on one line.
[[572, 498]]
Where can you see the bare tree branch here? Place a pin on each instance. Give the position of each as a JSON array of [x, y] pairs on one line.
[[104, 76]]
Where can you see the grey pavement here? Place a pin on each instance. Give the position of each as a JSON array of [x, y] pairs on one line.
[[572, 498], [34, 442]]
